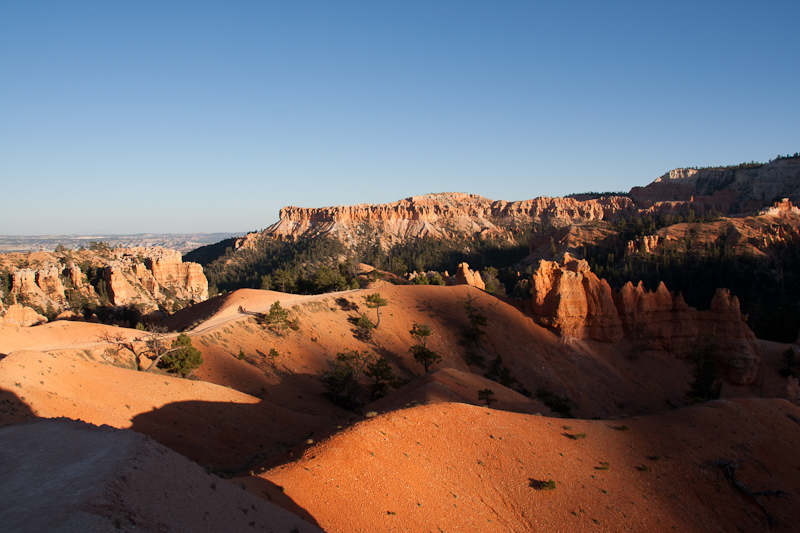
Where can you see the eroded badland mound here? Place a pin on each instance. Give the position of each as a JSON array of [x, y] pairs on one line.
[[67, 476], [291, 408], [467, 468], [444, 464]]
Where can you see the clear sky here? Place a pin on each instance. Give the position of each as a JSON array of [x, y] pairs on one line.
[[191, 116]]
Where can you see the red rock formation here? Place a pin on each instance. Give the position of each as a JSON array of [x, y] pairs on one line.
[[465, 276], [186, 280], [49, 280], [147, 277], [645, 244], [436, 215], [571, 299], [19, 315], [120, 291], [727, 191], [791, 391]]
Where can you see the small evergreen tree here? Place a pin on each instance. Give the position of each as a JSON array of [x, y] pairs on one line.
[[382, 375], [183, 358], [364, 327], [422, 354], [342, 380], [277, 319], [706, 384], [374, 301], [476, 321], [789, 362], [273, 356], [486, 395]]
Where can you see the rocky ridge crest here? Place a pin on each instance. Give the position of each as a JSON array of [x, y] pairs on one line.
[[450, 215]]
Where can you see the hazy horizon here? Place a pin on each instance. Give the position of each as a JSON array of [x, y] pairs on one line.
[[206, 117]]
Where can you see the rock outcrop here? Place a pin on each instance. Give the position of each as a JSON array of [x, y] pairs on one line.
[[737, 190], [569, 298], [465, 276], [20, 315], [150, 279], [444, 215], [572, 300]]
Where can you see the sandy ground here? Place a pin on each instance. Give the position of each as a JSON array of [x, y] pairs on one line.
[[455, 467], [68, 477], [431, 458]]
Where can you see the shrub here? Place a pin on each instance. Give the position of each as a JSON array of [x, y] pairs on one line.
[[486, 395], [559, 404], [382, 375], [706, 384], [364, 328], [342, 380], [422, 354], [789, 362], [183, 358], [550, 484], [277, 319]]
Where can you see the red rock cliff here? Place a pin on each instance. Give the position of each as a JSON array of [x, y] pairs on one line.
[[570, 299], [436, 215]]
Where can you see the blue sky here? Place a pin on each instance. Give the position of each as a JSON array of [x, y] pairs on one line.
[[169, 117]]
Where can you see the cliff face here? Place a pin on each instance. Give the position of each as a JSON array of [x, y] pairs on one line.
[[447, 215], [570, 299], [151, 279], [727, 191], [435, 215]]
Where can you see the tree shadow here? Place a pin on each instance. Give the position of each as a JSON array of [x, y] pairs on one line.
[[273, 493], [12, 409], [231, 439]]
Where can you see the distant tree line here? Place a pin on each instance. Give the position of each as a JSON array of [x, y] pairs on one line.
[[313, 265], [768, 287]]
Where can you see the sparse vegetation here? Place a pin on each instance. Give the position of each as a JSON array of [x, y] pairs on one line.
[[706, 384], [364, 328], [788, 358], [422, 354], [342, 380], [536, 484], [381, 373], [477, 321], [554, 402], [487, 395], [277, 319], [183, 358], [375, 301]]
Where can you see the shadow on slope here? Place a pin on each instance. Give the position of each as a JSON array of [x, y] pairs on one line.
[[460, 467], [13, 409]]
